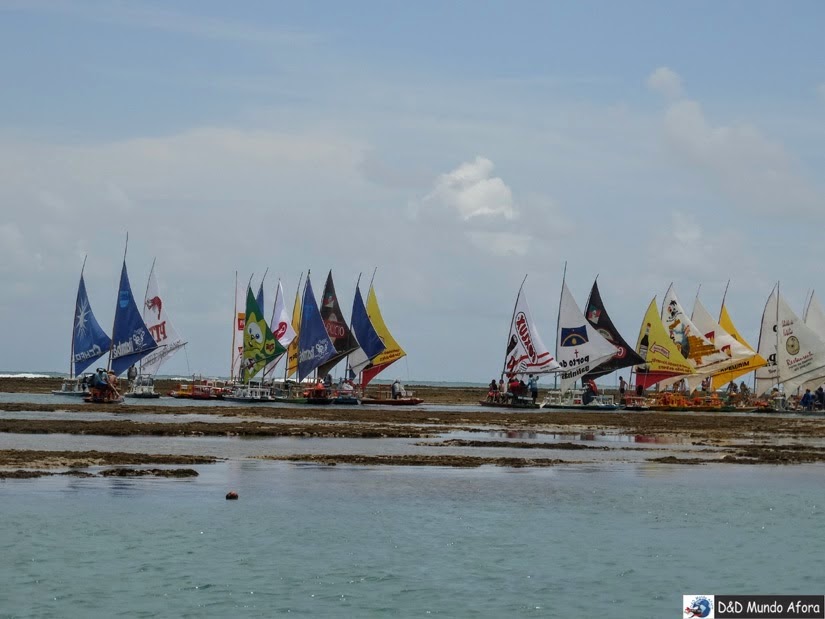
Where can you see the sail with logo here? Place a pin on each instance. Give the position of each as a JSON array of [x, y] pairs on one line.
[[131, 340], [579, 346], [314, 344], [597, 316], [292, 349], [738, 355], [799, 353], [281, 326], [259, 344], [160, 327], [337, 328], [89, 341], [526, 352], [663, 357], [700, 352]]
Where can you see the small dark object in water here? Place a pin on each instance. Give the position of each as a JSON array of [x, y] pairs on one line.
[[232, 496]]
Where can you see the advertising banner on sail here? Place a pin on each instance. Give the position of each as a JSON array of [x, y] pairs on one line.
[[281, 325], [800, 354], [742, 367], [259, 344], [526, 353], [131, 340], [597, 316], [663, 357], [89, 342], [392, 351], [693, 345], [161, 328], [581, 347], [738, 355], [337, 328], [369, 342], [314, 344]]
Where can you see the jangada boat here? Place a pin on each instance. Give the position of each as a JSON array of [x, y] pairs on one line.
[[89, 343], [525, 355], [377, 351], [131, 340], [165, 334], [201, 389]]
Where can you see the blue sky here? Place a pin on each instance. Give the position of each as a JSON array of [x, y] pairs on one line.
[[645, 142]]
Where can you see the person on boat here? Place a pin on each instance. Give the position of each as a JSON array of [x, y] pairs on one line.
[[397, 390], [502, 390], [513, 388], [492, 391], [640, 390], [622, 387], [820, 397], [533, 385], [328, 381], [807, 401], [132, 372], [589, 392]]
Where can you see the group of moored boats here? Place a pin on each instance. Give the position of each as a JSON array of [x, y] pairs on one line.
[[692, 361], [312, 342]]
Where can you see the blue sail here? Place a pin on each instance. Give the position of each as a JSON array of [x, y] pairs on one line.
[[131, 340], [259, 298], [89, 342], [314, 345], [369, 341]]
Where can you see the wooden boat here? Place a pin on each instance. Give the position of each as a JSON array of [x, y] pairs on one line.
[[143, 387], [511, 403], [75, 387]]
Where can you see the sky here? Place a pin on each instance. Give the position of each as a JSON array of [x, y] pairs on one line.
[[454, 146]]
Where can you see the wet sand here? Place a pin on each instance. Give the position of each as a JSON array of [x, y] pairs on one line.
[[705, 437]]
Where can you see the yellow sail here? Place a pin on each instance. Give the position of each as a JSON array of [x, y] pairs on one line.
[[292, 351], [663, 357], [392, 353], [746, 365]]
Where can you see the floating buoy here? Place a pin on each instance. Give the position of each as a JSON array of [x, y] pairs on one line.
[[232, 496]]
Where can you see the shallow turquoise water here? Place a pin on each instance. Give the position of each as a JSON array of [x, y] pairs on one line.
[[579, 541]]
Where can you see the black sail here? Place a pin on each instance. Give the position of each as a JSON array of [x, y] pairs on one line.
[[337, 328]]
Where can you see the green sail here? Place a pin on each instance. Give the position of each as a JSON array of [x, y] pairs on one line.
[[259, 345]]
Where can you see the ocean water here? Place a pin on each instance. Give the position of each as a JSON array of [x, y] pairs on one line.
[[583, 541]]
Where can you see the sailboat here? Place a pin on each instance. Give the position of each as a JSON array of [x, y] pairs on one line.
[[315, 346], [166, 336], [281, 327], [625, 356], [336, 327], [795, 353], [260, 347], [392, 352], [663, 358], [525, 354], [814, 318], [580, 348], [89, 342], [131, 340]]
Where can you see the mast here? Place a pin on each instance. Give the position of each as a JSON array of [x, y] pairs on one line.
[[234, 331], [558, 316], [776, 330], [512, 318], [114, 320], [146, 294]]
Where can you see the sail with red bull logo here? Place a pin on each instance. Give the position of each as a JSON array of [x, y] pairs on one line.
[[280, 325], [337, 328], [526, 352], [160, 326]]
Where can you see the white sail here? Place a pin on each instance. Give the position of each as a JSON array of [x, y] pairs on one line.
[[580, 347], [815, 319], [526, 353], [281, 325], [695, 347], [734, 350], [767, 376], [800, 353], [160, 326]]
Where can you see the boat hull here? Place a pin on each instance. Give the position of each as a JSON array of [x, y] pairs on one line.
[[72, 394], [528, 404], [143, 396], [582, 407]]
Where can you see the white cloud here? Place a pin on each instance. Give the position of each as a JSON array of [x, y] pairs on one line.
[[755, 172], [666, 82], [472, 192]]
